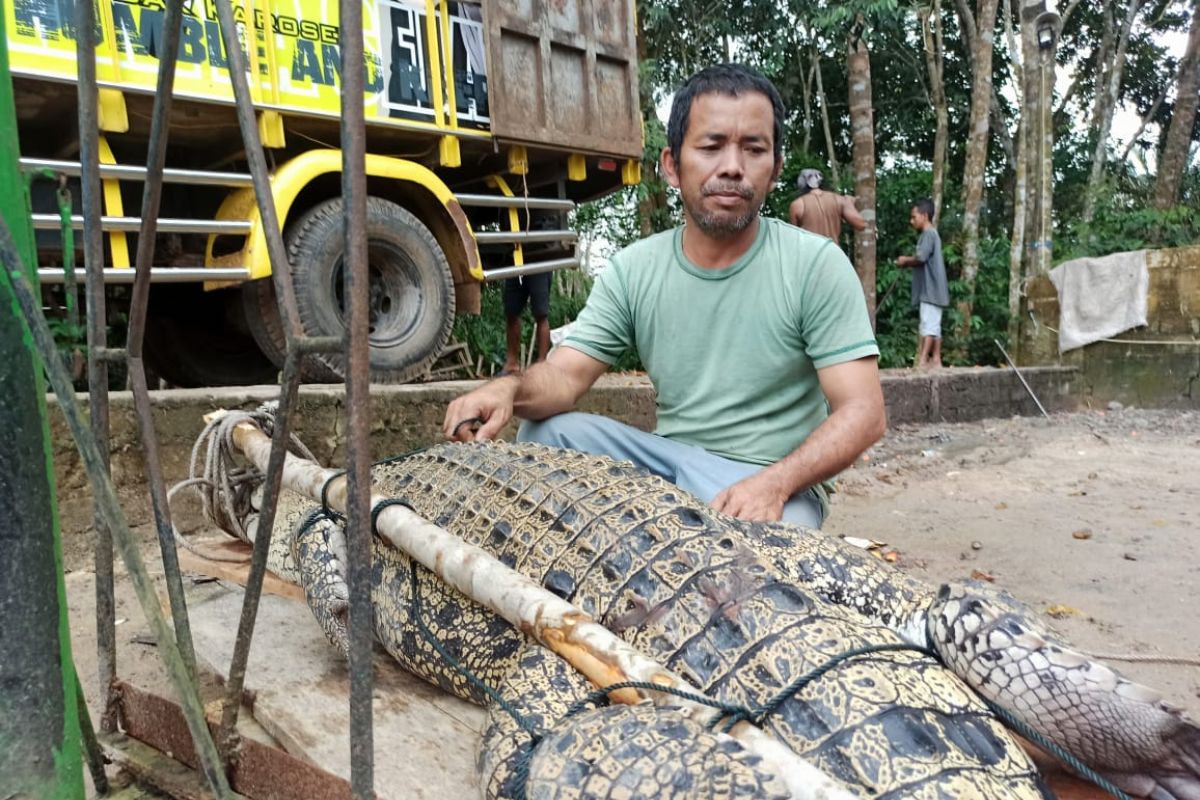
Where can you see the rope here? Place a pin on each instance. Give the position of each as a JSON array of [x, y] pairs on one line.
[[1055, 750], [224, 488], [1186, 661], [471, 677], [1158, 342], [760, 714]]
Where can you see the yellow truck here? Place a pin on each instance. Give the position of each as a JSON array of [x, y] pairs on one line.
[[486, 123]]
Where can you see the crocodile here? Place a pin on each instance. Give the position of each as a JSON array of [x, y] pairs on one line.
[[740, 609]]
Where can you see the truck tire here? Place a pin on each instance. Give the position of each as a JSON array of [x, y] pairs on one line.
[[265, 321], [411, 288], [196, 338]]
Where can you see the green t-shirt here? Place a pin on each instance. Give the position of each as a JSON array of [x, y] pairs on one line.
[[733, 353]]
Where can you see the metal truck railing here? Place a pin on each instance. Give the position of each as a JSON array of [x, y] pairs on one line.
[[128, 224]]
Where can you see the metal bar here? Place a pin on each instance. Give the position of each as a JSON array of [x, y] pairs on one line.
[[1021, 377], [55, 275], [358, 397], [39, 745], [110, 516], [97, 337], [130, 172], [227, 734], [494, 201], [112, 355], [47, 222], [70, 284], [151, 195], [281, 274], [501, 273], [525, 237], [307, 345], [92, 753]]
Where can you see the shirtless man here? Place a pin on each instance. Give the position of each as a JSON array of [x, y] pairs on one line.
[[820, 211]]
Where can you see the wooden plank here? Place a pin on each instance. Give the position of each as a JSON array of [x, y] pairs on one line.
[[425, 740], [235, 571]]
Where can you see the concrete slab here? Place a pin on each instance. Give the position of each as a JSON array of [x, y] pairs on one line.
[[425, 740]]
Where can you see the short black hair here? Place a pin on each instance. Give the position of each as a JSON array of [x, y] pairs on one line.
[[925, 206], [727, 79]]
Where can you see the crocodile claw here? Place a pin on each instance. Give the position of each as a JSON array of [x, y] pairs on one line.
[[319, 548]]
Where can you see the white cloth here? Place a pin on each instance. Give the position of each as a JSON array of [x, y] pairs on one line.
[[1100, 297], [931, 320]]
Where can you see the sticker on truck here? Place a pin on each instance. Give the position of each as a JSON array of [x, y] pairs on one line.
[[419, 66]]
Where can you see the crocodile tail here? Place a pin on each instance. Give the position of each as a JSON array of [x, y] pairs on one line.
[[1119, 728]]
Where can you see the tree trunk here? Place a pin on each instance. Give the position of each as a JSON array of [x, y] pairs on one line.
[[931, 35], [999, 125], [1034, 346], [652, 200], [1173, 163], [1149, 115], [806, 88], [977, 142], [1039, 85], [862, 127], [1017, 243], [824, 101], [1106, 106]]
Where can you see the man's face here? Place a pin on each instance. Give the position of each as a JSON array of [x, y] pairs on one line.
[[727, 163], [917, 219]]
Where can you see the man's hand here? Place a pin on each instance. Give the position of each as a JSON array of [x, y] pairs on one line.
[[490, 407], [759, 498]]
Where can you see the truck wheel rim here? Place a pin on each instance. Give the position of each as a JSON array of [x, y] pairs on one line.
[[396, 298]]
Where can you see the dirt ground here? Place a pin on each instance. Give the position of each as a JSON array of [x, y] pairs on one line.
[[1091, 517]]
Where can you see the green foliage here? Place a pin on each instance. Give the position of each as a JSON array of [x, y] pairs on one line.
[[1125, 220], [484, 334], [784, 38]]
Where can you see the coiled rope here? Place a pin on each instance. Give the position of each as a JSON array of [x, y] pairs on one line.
[[226, 484]]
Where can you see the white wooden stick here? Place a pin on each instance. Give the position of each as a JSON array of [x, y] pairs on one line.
[[591, 648]]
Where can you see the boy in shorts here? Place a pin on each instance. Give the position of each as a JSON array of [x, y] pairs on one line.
[[929, 291]]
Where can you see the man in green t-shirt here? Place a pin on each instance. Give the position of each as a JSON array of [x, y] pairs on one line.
[[755, 333]]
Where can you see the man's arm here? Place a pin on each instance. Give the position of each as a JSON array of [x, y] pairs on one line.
[[796, 211], [852, 216], [547, 388], [924, 252], [856, 421]]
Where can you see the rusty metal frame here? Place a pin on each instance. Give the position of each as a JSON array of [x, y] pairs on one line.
[[227, 755]]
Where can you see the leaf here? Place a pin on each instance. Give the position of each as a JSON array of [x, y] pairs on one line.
[[1059, 611]]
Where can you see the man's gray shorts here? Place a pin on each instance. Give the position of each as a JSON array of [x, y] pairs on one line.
[[689, 467]]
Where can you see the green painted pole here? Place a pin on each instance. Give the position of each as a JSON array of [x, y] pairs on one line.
[[40, 755]]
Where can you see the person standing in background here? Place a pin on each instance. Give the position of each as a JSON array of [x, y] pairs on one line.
[[929, 290], [820, 211], [534, 289]]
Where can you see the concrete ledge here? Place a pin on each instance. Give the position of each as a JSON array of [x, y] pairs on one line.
[[973, 393], [405, 417]]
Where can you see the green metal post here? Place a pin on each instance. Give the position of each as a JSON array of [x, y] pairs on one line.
[[40, 754]]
